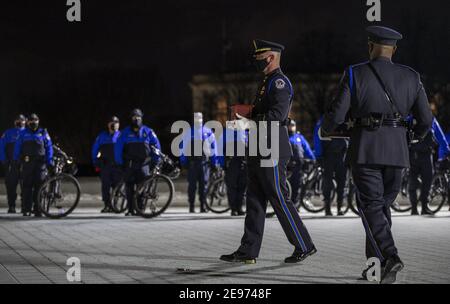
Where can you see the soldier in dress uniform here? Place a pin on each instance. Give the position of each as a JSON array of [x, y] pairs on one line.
[[379, 95], [272, 106]]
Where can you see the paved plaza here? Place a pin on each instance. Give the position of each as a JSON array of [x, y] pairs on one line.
[[117, 249]]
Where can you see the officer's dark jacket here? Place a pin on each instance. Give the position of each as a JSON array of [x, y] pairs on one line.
[[136, 146], [36, 145], [103, 148], [361, 93], [273, 104], [7, 143]]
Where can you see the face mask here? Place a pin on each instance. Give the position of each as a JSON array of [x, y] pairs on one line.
[[136, 122], [34, 125], [260, 65]]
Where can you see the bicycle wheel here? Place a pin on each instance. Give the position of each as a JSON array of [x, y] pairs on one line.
[[216, 196], [311, 196], [438, 192], [153, 196], [119, 199], [59, 196], [402, 203]]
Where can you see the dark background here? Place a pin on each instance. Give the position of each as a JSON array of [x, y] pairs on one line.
[[144, 53]]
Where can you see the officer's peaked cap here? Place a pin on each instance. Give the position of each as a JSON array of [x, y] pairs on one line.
[[261, 46], [383, 35]]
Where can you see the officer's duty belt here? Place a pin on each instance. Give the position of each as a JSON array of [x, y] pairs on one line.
[[369, 122]]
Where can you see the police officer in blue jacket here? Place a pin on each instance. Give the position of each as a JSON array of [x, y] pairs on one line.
[[103, 159], [378, 95], [421, 159], [34, 150], [198, 165], [332, 153], [235, 150], [7, 143], [134, 152], [300, 151]]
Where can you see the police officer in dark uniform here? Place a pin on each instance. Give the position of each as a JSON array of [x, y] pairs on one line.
[[7, 143], [103, 160], [421, 158], [34, 149], [333, 156], [198, 165], [379, 95], [133, 151], [272, 106], [235, 147], [301, 150]]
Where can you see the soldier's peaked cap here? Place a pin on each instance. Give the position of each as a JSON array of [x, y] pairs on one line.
[[383, 35], [137, 112], [261, 46]]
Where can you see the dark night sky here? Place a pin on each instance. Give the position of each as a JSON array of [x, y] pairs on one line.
[[125, 52]]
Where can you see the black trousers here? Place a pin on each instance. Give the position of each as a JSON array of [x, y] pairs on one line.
[[33, 174], [296, 180], [269, 184], [110, 176], [334, 166], [421, 166], [236, 181], [134, 175], [198, 174], [12, 180], [376, 189]]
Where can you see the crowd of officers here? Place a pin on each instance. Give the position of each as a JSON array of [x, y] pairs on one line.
[[26, 153]]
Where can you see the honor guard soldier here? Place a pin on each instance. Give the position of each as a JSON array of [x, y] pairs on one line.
[[134, 152], [421, 159], [272, 105], [300, 151], [103, 160], [34, 150], [379, 95], [7, 143], [198, 165], [333, 154]]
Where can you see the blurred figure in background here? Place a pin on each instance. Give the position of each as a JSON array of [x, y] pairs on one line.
[[198, 165], [7, 143], [300, 151], [103, 160]]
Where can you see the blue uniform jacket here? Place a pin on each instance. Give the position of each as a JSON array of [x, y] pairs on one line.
[[136, 146], [444, 149], [104, 144], [7, 143], [34, 144], [195, 135], [303, 146], [318, 149]]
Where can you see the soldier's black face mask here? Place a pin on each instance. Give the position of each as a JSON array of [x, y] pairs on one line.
[[261, 64]]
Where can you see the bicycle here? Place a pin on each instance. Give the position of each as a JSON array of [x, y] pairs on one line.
[[440, 188], [152, 196], [60, 194], [216, 193], [404, 193]]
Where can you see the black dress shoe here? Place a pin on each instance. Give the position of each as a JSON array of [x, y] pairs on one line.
[[104, 210], [426, 211], [130, 213], [389, 272], [240, 212], [234, 213], [38, 214], [11, 210], [299, 256], [340, 213], [238, 257], [203, 211], [414, 212], [26, 213], [328, 213]]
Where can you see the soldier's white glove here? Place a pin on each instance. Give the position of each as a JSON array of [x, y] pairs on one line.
[[323, 137], [241, 123]]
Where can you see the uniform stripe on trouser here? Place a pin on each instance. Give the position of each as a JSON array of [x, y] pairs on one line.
[[368, 230], [286, 210]]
